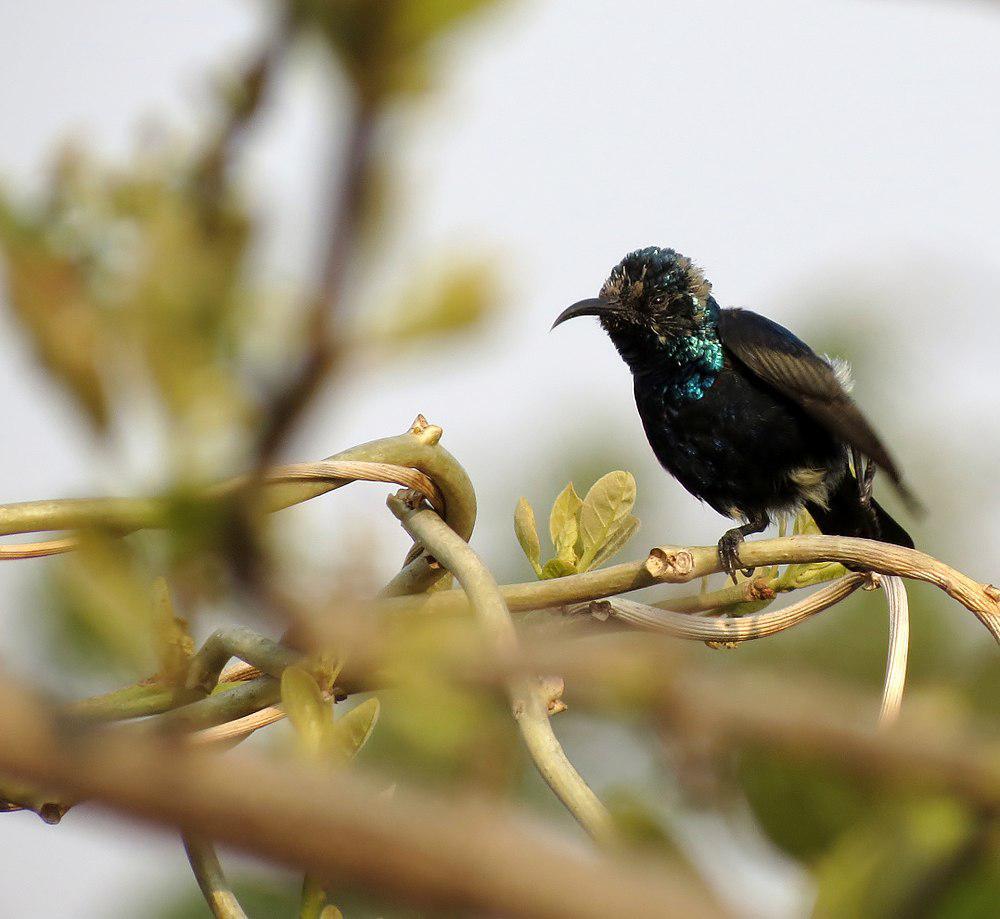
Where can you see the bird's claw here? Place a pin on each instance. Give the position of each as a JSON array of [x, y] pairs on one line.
[[729, 555]]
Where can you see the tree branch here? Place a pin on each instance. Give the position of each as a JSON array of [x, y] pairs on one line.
[[211, 879], [722, 628], [530, 710], [899, 641], [674, 564], [430, 851]]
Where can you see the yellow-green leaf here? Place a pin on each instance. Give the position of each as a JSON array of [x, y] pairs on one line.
[[350, 732], [527, 534], [310, 714], [620, 534], [564, 528], [557, 568], [48, 293], [174, 644], [609, 501], [440, 301]]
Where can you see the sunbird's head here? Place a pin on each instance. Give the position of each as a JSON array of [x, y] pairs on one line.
[[651, 291]]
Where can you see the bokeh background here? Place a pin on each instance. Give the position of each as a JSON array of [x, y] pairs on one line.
[[831, 164]]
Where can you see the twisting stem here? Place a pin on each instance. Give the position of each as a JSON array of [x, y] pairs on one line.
[[676, 564], [899, 641], [208, 872], [266, 655], [288, 404], [724, 628], [530, 710], [222, 707]]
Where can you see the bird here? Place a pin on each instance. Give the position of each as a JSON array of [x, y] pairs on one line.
[[744, 414]]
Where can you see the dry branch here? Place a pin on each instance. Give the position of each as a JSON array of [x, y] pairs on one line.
[[721, 628], [422, 849]]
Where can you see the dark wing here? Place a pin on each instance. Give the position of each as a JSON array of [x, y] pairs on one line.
[[788, 364]]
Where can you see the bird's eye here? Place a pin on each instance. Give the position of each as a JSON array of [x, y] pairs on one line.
[[659, 300]]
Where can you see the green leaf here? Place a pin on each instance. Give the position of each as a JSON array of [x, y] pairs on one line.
[[527, 534], [564, 523], [417, 22], [803, 807], [609, 501], [350, 732], [438, 301], [174, 644], [310, 714], [557, 568], [881, 866], [47, 292], [620, 534]]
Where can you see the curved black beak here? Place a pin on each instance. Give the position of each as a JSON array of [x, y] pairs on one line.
[[592, 307]]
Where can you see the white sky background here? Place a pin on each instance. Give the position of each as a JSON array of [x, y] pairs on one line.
[[839, 156]]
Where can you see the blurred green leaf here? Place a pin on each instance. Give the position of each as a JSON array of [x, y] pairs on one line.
[[886, 865], [310, 714], [638, 822], [350, 732], [449, 300], [527, 534], [104, 588], [47, 292], [174, 644], [420, 21], [803, 807], [564, 524], [609, 501], [383, 46], [445, 734]]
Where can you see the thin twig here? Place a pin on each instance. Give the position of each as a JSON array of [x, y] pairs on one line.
[[899, 641], [530, 709], [267, 655], [723, 628], [239, 728], [208, 872], [219, 708], [290, 401]]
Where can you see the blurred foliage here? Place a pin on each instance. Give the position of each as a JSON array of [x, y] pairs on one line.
[[323, 738], [454, 297], [585, 532], [384, 47], [134, 286]]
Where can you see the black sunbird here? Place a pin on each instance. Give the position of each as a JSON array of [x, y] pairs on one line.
[[743, 414]]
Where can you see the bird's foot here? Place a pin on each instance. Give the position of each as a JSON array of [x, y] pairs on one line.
[[729, 553]]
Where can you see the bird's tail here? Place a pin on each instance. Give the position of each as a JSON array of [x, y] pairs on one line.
[[845, 515]]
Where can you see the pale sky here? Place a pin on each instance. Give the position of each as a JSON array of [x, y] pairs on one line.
[[830, 163]]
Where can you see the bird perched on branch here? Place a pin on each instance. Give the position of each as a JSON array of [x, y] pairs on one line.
[[745, 415]]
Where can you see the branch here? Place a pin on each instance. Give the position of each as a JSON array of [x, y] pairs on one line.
[[899, 640], [530, 709], [290, 401], [432, 851], [420, 462], [723, 628], [208, 872], [675, 565]]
